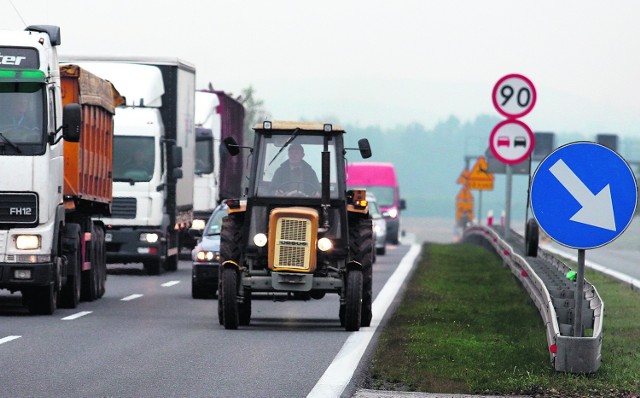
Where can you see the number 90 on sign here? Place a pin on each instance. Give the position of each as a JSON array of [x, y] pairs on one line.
[[514, 96]]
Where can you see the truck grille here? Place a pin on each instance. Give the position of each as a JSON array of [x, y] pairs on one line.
[[124, 208], [18, 208], [292, 246]]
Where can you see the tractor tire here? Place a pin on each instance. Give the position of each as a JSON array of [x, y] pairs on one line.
[[245, 309], [361, 249], [70, 292], [230, 311], [220, 312], [353, 301]]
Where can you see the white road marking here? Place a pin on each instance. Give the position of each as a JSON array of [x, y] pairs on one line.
[[76, 316], [170, 283], [8, 339], [132, 297], [337, 376]]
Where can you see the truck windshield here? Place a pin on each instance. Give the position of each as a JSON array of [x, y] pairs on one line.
[[133, 158], [297, 172], [21, 115], [204, 155]]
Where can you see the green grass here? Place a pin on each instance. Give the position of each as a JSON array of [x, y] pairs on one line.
[[466, 326]]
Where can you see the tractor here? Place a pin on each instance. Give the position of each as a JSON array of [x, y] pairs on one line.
[[297, 234]]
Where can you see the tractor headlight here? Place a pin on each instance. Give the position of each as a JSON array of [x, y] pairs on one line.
[[325, 244], [260, 239], [27, 242], [148, 237]]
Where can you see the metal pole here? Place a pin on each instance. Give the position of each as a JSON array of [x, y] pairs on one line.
[[480, 207], [507, 215], [579, 294]]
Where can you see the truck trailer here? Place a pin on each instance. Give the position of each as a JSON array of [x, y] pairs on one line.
[[218, 176], [154, 158], [55, 163]]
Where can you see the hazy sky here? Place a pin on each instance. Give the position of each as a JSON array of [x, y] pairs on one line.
[[379, 62]]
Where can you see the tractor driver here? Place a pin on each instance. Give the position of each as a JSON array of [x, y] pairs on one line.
[[295, 175]]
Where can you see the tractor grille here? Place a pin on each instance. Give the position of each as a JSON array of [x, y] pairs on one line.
[[123, 208], [292, 246]]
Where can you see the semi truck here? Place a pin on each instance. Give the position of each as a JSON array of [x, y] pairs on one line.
[[154, 158], [56, 132], [218, 176]]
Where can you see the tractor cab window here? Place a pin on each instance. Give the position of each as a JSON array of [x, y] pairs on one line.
[[293, 167]]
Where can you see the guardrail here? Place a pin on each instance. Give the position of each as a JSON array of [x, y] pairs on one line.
[[543, 277]]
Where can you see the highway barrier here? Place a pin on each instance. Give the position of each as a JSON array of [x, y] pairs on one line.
[[548, 282]]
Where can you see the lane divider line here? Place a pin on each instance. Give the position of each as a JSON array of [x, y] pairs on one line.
[[170, 283], [76, 316], [132, 297], [8, 339], [339, 373]]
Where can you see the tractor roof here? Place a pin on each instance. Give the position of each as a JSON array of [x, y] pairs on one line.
[[306, 126]]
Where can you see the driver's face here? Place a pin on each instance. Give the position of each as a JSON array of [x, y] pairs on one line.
[[295, 156]]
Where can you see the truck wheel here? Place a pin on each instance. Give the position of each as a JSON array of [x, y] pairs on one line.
[[102, 262], [230, 298], [531, 238], [70, 292], [153, 267], [361, 249], [353, 304], [90, 277], [245, 309], [42, 300]]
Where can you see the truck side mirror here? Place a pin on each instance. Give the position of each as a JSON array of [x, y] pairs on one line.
[[403, 204], [176, 152], [176, 173], [71, 122], [365, 148], [232, 146]]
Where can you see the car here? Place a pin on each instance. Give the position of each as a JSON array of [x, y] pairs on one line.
[[379, 225], [205, 256], [520, 141], [503, 141]]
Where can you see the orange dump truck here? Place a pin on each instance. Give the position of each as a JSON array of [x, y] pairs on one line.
[[56, 126], [87, 177]]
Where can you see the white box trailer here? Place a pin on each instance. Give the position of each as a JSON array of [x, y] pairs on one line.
[[154, 158]]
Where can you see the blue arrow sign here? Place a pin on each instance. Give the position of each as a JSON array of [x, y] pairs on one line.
[[583, 195]]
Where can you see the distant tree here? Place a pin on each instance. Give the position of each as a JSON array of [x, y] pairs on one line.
[[254, 112]]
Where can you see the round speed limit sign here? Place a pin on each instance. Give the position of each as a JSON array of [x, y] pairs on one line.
[[514, 96]]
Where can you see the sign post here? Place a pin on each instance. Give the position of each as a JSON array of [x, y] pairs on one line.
[[583, 196], [512, 141]]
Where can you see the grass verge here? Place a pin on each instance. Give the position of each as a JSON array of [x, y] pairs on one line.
[[466, 326]]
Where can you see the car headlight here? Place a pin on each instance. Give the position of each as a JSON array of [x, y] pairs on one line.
[[392, 212], [260, 239], [324, 244], [205, 255], [148, 237], [198, 224], [27, 242]]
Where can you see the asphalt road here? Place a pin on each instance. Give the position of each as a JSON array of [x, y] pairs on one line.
[[148, 338]]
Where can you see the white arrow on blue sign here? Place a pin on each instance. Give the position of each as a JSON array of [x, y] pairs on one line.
[[583, 195]]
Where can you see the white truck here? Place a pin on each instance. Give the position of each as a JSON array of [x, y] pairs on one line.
[[154, 158], [218, 176], [56, 129]]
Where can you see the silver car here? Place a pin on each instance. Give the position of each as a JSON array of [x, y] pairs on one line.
[[379, 225]]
